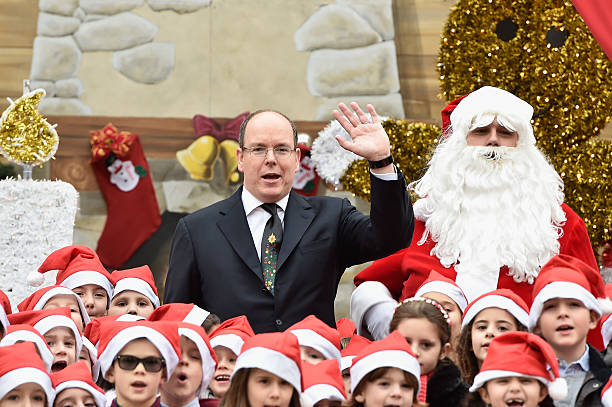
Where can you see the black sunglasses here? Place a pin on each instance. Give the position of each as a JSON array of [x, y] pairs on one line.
[[151, 364]]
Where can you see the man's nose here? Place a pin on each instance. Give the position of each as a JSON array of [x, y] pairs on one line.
[[493, 139]]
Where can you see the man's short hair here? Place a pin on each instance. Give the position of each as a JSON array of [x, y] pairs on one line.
[[255, 113]]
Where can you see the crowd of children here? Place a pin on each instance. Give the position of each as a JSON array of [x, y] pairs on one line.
[[102, 339]]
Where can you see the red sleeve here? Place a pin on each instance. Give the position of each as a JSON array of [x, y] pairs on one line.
[[387, 270]]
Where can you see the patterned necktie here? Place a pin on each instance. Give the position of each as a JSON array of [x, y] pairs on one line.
[[270, 245]]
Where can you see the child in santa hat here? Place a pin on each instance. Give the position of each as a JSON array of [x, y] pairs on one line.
[[323, 384], [568, 300], [520, 369], [488, 316], [227, 341], [89, 355], [318, 341], [386, 372], [59, 330], [17, 333], [79, 268], [75, 387], [355, 345], [134, 293], [267, 373], [24, 380], [5, 309]]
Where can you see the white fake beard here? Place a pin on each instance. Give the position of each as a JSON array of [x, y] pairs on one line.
[[486, 207]]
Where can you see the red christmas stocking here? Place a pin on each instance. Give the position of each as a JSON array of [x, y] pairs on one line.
[[125, 180], [306, 180]]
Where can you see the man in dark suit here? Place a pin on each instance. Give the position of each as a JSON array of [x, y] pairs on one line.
[[280, 262]]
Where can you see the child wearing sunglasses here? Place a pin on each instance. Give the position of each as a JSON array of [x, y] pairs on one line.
[[136, 357]]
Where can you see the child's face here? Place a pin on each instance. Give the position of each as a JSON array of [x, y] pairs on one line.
[[136, 387], [131, 302], [84, 355], [226, 360], [185, 382], [62, 343], [346, 377], [74, 397], [311, 355], [453, 310], [565, 323], [488, 324], [507, 391], [391, 389], [424, 339], [70, 301], [94, 298], [25, 395], [267, 389]]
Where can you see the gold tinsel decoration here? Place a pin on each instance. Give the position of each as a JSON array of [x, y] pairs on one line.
[[25, 136]]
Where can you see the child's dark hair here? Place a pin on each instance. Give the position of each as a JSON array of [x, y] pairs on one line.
[[423, 308], [236, 395], [376, 374], [210, 322]]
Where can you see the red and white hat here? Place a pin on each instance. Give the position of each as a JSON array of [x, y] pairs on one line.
[[355, 346], [277, 353], [437, 283], [537, 361], [26, 333], [198, 335], [20, 364], [39, 298], [568, 277], [139, 279], [606, 330], [232, 334], [346, 328], [76, 265], [77, 376], [177, 311], [323, 381], [45, 320], [392, 351], [313, 332], [606, 394], [162, 334], [92, 329], [501, 298], [92, 351], [5, 309]]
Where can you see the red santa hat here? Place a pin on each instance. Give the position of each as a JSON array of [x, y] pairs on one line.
[[313, 332], [26, 333], [568, 277], [176, 311], [277, 353], [20, 364], [392, 351], [606, 394], [139, 279], [208, 359], [92, 351], [77, 376], [346, 328], [446, 112], [232, 334], [162, 334], [437, 283], [501, 298], [355, 346], [5, 309], [537, 361], [92, 329], [76, 265], [39, 298], [323, 381]]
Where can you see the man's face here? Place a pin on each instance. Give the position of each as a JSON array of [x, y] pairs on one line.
[[268, 178], [494, 135]]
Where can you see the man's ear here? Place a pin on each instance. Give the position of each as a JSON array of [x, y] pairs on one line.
[[110, 374], [239, 157]]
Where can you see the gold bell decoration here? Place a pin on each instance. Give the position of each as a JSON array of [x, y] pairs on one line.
[[199, 158], [228, 155]]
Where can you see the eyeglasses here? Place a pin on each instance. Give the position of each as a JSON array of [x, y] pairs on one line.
[[279, 151], [151, 364]]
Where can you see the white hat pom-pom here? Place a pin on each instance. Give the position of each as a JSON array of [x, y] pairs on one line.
[[557, 389], [606, 305], [35, 279]]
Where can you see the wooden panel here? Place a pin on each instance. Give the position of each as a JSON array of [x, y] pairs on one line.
[[15, 67], [18, 19]]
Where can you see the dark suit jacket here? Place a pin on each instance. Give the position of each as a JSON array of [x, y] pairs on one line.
[[214, 263]]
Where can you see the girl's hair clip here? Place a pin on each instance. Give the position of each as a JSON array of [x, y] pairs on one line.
[[428, 301]]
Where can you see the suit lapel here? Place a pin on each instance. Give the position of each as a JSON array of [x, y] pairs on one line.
[[234, 226], [298, 217]]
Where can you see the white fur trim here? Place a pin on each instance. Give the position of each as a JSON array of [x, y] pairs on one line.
[[231, 341], [495, 301], [99, 398], [271, 361], [476, 284], [23, 375], [483, 377], [606, 398], [3, 318], [420, 210], [606, 305], [35, 279], [62, 291], [93, 355], [323, 391], [27, 336], [84, 277], [138, 285], [131, 333], [346, 362], [196, 316], [308, 337], [561, 289], [54, 321], [451, 290], [606, 332], [208, 363], [364, 297], [387, 358], [557, 389]]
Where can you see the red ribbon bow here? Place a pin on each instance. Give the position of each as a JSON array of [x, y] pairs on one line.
[[109, 140], [205, 126]]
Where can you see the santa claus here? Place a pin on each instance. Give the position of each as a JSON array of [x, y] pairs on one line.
[[490, 212]]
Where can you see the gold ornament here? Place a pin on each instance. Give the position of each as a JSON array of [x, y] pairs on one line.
[[200, 157], [228, 155]]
